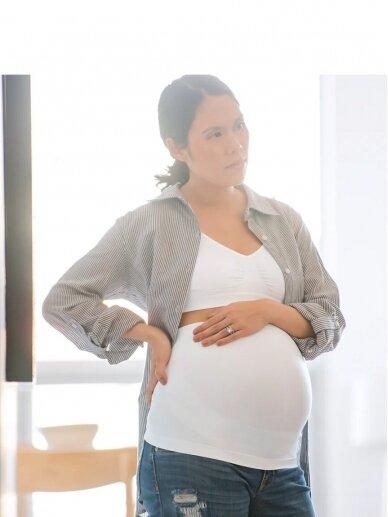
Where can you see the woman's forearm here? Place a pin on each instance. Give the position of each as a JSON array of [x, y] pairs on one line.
[[140, 331], [288, 319]]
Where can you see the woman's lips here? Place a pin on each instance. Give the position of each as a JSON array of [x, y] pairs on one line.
[[236, 165]]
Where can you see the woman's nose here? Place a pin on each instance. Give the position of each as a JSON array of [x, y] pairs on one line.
[[234, 145]]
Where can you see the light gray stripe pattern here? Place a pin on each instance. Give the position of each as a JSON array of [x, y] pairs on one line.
[[148, 257]]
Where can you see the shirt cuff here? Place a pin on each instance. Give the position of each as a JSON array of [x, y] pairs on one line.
[[109, 328]]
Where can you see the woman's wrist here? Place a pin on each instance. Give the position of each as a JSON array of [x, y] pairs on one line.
[[144, 332], [264, 309], [140, 331], [286, 318]]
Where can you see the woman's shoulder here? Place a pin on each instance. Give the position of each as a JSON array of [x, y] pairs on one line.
[[148, 216], [138, 219], [274, 206]]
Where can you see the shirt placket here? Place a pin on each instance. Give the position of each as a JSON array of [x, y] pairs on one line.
[[273, 248]]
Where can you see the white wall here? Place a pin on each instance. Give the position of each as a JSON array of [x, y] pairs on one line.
[[348, 431]]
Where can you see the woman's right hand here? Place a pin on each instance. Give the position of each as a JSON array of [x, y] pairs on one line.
[[160, 355]]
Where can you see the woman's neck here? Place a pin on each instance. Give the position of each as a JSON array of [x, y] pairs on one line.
[[212, 196]]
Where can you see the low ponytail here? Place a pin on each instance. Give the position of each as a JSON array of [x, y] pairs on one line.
[[178, 172]]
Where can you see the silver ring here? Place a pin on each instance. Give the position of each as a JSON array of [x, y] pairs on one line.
[[230, 330]]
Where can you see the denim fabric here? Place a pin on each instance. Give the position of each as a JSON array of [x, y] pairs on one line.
[[173, 484]]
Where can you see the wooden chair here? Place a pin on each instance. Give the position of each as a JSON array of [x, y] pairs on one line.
[[60, 471]]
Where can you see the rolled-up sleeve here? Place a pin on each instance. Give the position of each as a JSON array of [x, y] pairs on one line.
[[75, 304], [320, 305]]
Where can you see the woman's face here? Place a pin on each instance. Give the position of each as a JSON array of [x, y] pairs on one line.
[[218, 140]]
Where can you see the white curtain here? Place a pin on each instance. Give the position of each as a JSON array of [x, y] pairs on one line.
[[348, 422]]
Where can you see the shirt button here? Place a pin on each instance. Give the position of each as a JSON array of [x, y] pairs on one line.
[[287, 270], [264, 237]]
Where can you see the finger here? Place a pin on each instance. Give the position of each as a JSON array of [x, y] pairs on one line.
[[209, 322], [152, 382], [211, 331], [152, 363], [161, 373], [232, 337], [216, 337]]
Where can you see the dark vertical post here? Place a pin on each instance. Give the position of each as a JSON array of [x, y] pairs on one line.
[[18, 227]]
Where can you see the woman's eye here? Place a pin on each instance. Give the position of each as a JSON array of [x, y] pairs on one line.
[[216, 134], [241, 124]]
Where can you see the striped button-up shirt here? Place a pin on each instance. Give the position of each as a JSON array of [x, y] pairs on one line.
[[148, 257]]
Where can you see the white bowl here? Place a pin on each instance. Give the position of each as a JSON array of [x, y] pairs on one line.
[[70, 437]]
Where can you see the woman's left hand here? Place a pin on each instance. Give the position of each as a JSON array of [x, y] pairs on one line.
[[245, 318]]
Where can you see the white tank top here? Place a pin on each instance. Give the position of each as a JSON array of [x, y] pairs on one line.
[[245, 402]]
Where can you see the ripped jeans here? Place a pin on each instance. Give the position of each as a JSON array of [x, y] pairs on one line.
[[174, 484]]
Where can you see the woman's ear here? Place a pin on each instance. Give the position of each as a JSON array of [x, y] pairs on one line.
[[176, 152]]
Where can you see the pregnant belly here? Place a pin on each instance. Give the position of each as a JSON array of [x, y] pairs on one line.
[[260, 381]]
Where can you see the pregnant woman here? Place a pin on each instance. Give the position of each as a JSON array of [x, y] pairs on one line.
[[237, 300]]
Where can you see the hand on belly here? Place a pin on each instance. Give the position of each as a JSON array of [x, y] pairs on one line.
[[244, 317], [261, 374]]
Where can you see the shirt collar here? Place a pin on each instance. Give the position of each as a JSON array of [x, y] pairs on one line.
[[255, 201]]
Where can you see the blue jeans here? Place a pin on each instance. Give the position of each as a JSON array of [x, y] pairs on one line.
[[173, 484]]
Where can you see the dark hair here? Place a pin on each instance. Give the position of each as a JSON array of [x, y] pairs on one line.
[[177, 106]]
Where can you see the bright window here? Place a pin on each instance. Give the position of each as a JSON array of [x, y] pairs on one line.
[[96, 148]]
